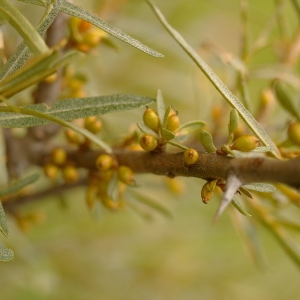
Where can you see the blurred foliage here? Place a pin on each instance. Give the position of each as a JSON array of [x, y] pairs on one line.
[[77, 254]]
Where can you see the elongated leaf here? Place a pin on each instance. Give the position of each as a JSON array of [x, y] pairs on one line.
[[76, 11], [237, 205], [177, 145], [167, 134], [147, 130], [216, 81], [260, 187], [22, 53], [189, 127], [166, 116], [285, 100], [6, 254], [25, 29], [71, 109], [17, 185], [3, 224], [160, 106]]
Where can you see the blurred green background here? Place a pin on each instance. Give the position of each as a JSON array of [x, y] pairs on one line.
[[76, 254]]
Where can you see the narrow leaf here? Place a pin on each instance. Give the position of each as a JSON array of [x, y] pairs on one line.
[[232, 185], [166, 116], [160, 106], [147, 130], [167, 134], [17, 185], [70, 109], [245, 192], [31, 37], [3, 224], [237, 205], [6, 254], [22, 53], [285, 100], [216, 81], [260, 187], [76, 11], [177, 145], [189, 127]]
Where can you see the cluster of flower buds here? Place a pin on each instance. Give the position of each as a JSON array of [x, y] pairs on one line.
[[84, 36], [59, 162], [108, 183]]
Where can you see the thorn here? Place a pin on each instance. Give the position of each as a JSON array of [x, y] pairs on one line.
[[233, 183]]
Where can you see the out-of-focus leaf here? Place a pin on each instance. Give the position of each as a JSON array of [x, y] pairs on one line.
[[216, 81], [189, 127], [167, 134], [285, 100], [76, 11], [70, 109], [6, 254], [245, 192], [17, 185], [160, 106], [237, 205], [3, 224], [147, 130], [31, 37], [260, 187], [22, 53]]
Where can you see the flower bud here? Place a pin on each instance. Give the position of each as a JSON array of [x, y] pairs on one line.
[[51, 171], [58, 156], [148, 142], [73, 137], [151, 119], [190, 156], [294, 132], [126, 175], [104, 162], [172, 121], [92, 124], [70, 174], [207, 190], [245, 143], [109, 203]]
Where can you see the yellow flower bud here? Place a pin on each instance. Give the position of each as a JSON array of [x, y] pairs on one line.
[[294, 132], [73, 137], [207, 190], [58, 156], [172, 121], [51, 171], [245, 143], [126, 175], [92, 124], [190, 156], [148, 142], [104, 162], [151, 119], [109, 203], [70, 174]]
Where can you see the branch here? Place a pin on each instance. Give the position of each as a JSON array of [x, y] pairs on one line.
[[209, 166]]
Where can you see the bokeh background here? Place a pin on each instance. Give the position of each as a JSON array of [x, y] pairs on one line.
[[76, 254]]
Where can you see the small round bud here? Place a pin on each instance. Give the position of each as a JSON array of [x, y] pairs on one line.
[[109, 203], [245, 143], [190, 156], [73, 137], [92, 124], [151, 119], [172, 121], [294, 132], [70, 174], [51, 171], [148, 142], [126, 175], [104, 162], [58, 156]]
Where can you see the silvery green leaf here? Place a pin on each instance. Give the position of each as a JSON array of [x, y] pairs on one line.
[[260, 187], [6, 254], [160, 106], [73, 108], [189, 127], [147, 130], [167, 134], [237, 205]]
